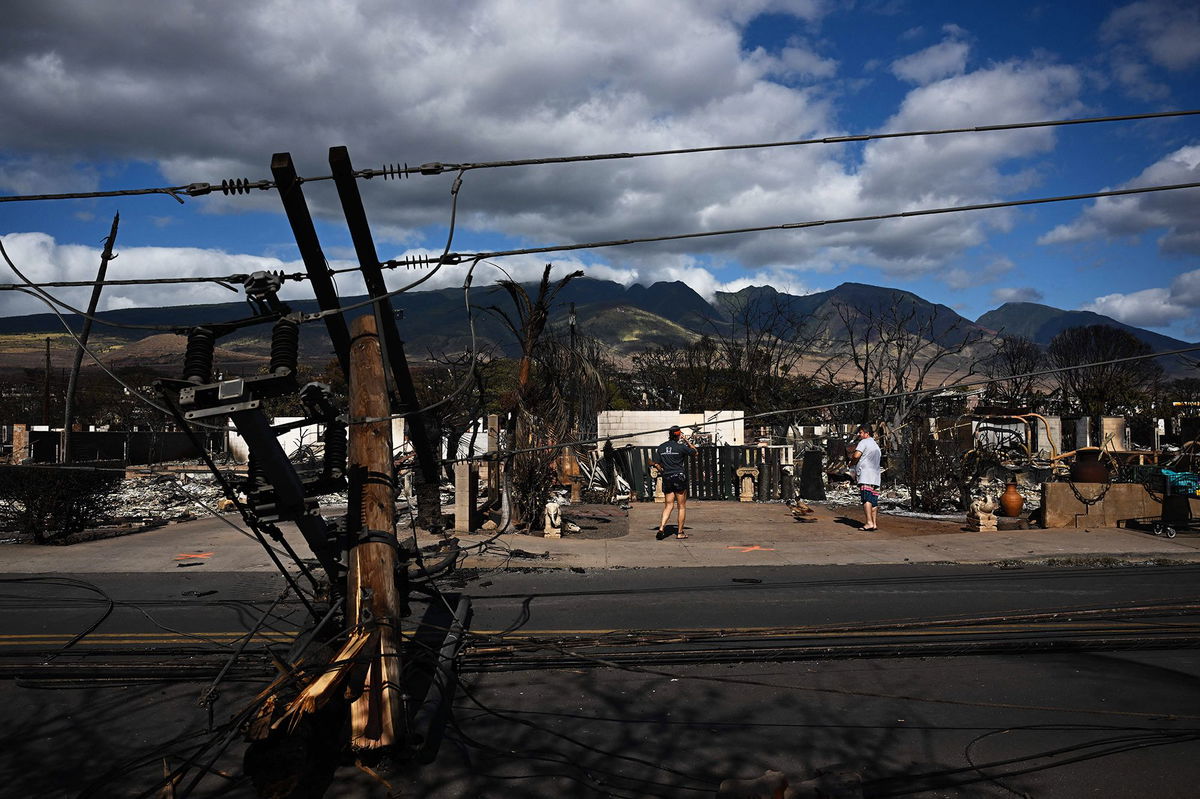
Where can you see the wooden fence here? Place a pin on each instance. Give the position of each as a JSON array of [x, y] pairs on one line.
[[712, 472]]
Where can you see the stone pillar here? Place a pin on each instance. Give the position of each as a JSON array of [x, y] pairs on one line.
[[493, 464], [748, 481], [20, 443], [466, 496], [1083, 432], [1112, 433]]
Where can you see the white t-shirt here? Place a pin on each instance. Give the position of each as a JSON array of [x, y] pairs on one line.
[[867, 466]]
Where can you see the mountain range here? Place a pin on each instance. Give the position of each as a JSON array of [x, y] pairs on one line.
[[625, 319]]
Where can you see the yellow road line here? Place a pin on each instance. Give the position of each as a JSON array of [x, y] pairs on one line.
[[108, 639]]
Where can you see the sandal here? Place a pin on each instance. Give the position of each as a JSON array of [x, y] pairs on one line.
[[682, 535], [660, 535]]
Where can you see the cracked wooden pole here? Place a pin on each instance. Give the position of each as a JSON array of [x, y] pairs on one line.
[[373, 598]]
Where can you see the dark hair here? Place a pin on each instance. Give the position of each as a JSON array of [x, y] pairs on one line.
[[865, 428]]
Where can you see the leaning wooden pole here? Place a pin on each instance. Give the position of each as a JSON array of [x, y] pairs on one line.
[[93, 304], [374, 602]]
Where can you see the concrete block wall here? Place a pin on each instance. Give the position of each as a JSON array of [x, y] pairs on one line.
[[1122, 502], [1055, 435], [290, 440], [729, 427], [1112, 432], [634, 424]]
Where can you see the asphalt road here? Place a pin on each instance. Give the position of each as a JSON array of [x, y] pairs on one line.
[[539, 713]]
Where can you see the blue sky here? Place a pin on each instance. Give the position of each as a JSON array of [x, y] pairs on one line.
[[111, 96]]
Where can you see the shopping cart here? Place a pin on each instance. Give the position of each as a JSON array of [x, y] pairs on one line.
[[1178, 490]]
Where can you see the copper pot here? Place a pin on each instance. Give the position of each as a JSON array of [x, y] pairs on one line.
[[1088, 468]]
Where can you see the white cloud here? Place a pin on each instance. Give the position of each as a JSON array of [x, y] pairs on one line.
[[802, 61], [1176, 213], [1153, 307], [1185, 289], [1145, 36], [1017, 294], [959, 278], [209, 90], [40, 258], [1166, 31], [1146, 308], [933, 63]]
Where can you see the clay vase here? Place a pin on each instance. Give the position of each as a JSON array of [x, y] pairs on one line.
[[1088, 468], [1011, 501]]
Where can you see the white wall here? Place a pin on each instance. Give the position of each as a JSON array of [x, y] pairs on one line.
[[631, 427], [290, 440]]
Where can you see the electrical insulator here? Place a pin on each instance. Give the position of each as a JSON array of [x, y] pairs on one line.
[[198, 358], [336, 448], [260, 285], [285, 347], [255, 477]]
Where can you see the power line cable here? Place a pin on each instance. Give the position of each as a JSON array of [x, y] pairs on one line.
[[438, 168], [51, 300], [151, 281], [591, 245], [227, 187], [457, 258], [240, 186]]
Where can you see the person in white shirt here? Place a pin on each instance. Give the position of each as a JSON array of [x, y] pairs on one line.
[[867, 475]]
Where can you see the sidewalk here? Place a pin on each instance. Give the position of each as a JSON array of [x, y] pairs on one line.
[[720, 534], [735, 534]]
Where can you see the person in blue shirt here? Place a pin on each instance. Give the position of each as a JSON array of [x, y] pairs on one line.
[[671, 460]]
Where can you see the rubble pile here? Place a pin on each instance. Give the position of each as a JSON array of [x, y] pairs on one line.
[[896, 500], [890, 497], [162, 498]]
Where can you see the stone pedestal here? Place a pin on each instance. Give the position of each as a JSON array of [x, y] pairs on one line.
[[748, 482], [987, 523]]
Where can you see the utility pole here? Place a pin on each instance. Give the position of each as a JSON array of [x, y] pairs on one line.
[[429, 508], [290, 192], [374, 600], [46, 392], [573, 397], [105, 257]]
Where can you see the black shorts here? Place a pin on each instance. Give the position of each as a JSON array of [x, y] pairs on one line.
[[675, 483]]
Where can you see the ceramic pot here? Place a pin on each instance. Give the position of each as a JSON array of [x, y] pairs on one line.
[[1011, 501], [1088, 468]]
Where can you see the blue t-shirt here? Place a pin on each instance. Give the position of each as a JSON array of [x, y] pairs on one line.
[[672, 455]]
